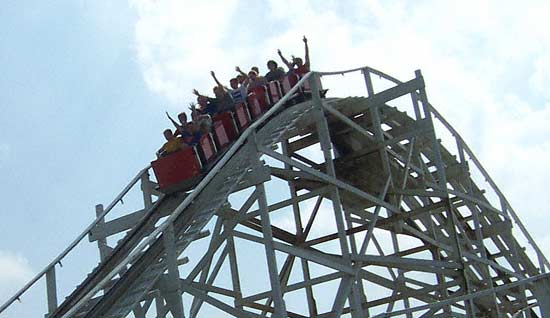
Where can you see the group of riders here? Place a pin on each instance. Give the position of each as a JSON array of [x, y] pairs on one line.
[[188, 133]]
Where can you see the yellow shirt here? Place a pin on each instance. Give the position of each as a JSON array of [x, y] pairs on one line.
[[172, 145]]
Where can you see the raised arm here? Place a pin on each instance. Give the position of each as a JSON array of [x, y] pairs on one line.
[[173, 121], [306, 57], [197, 93], [287, 63], [238, 69], [215, 79]]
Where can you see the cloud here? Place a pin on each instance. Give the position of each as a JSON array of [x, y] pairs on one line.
[[14, 272], [179, 42], [540, 80]]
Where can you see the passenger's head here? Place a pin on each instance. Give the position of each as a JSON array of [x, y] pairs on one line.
[[297, 61], [255, 69], [218, 91], [234, 83], [168, 134], [202, 101], [272, 65], [241, 78], [182, 118], [252, 75]]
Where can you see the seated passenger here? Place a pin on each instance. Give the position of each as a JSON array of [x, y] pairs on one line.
[[238, 93], [297, 66], [241, 79], [186, 130], [252, 79], [225, 100], [242, 75], [200, 120], [275, 73], [208, 105], [192, 134], [171, 145], [257, 70], [255, 81], [182, 117]]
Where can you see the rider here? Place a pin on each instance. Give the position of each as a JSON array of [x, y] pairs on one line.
[[297, 66], [171, 145]]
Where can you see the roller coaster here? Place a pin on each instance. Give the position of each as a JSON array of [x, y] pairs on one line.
[[322, 207]]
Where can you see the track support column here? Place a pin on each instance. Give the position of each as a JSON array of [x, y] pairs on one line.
[[312, 307], [542, 293], [173, 292], [147, 190], [102, 242], [348, 287], [51, 290], [277, 292], [442, 184]]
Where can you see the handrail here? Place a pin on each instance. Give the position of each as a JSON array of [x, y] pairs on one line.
[[188, 199], [542, 259], [76, 241]]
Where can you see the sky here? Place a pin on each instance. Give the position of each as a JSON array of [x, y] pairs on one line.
[[85, 84]]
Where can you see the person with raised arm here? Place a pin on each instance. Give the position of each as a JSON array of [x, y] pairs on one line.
[[193, 128], [237, 92], [242, 74], [297, 66], [216, 80], [257, 70], [182, 117], [184, 129], [208, 105], [223, 95], [252, 79]]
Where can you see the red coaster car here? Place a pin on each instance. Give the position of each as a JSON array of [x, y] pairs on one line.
[[242, 115], [207, 148], [225, 130], [289, 81], [307, 87], [177, 171], [274, 92], [253, 106], [257, 101]]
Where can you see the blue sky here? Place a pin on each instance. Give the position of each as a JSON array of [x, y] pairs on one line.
[[85, 84]]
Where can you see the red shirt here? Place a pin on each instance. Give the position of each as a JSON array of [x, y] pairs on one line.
[[301, 70]]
